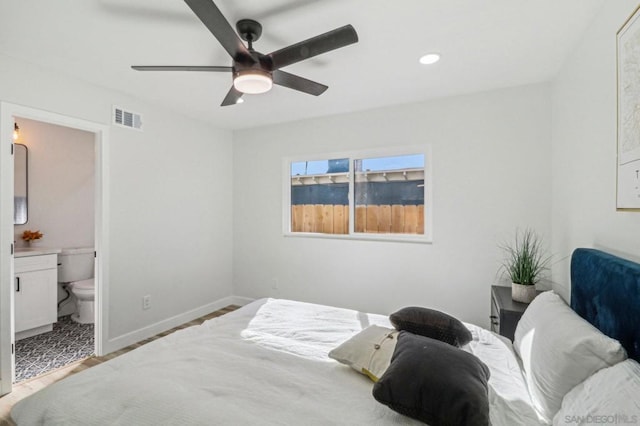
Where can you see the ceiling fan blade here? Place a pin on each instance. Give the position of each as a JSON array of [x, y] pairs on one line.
[[214, 20], [181, 68], [295, 82], [314, 46], [232, 97]]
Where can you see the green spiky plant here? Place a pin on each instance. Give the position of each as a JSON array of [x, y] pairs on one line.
[[525, 260]]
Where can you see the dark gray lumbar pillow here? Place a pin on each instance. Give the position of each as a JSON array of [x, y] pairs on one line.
[[431, 323], [435, 382]]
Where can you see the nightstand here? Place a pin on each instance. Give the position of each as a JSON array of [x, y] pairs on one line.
[[505, 313]]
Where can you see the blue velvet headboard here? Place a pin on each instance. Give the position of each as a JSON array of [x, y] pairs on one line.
[[605, 290]]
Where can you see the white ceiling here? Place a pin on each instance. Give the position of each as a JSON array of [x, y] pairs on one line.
[[485, 44]]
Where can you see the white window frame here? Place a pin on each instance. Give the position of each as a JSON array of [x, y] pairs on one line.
[[426, 238]]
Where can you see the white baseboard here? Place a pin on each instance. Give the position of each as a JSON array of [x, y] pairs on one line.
[[241, 300], [135, 336]]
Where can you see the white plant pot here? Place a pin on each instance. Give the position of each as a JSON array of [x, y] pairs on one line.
[[523, 293]]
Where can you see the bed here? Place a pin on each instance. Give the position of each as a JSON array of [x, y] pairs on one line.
[[267, 363]]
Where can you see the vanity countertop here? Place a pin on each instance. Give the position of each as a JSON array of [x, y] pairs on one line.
[[34, 251]]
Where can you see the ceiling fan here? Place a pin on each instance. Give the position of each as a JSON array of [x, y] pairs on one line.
[[254, 72]]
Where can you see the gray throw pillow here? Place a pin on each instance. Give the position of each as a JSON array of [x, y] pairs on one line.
[[435, 382], [431, 323]]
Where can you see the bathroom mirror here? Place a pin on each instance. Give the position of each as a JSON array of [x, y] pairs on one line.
[[21, 184]]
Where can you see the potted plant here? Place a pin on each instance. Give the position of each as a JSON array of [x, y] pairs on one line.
[[524, 262]]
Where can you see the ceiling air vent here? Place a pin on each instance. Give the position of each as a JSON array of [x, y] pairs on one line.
[[126, 118]]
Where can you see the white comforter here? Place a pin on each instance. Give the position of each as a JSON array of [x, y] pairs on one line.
[[265, 363]]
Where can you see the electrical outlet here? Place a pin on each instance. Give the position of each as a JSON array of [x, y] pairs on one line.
[[275, 292], [146, 302]]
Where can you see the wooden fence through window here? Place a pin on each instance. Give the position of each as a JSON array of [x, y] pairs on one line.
[[379, 219]]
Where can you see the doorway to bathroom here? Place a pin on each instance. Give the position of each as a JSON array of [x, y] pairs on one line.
[[54, 197], [65, 210]]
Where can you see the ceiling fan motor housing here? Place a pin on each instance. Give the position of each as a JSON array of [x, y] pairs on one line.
[[253, 76], [252, 81]]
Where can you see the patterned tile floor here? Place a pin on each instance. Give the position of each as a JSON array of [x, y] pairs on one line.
[[67, 343]]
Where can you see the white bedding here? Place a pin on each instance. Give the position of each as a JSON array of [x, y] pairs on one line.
[[265, 363]]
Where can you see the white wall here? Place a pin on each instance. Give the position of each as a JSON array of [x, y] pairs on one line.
[[584, 149], [61, 184], [170, 213], [491, 174]]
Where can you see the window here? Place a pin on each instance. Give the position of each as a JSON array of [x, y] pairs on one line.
[[320, 196], [389, 195], [377, 195]]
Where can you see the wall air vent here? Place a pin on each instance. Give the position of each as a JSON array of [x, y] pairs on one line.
[[128, 119]]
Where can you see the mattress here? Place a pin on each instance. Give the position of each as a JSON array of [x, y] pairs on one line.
[[265, 363]]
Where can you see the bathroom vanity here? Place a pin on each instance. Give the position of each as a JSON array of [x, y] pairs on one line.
[[35, 291]]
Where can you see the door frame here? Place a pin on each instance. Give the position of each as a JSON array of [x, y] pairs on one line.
[[101, 142]]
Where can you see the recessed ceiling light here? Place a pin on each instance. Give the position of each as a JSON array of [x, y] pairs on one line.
[[239, 101], [430, 58]]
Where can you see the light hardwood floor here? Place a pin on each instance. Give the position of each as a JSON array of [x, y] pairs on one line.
[[28, 387]]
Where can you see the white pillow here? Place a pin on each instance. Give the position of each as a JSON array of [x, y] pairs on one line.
[[559, 350], [610, 396], [368, 352]]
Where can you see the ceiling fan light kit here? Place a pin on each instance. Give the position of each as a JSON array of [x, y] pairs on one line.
[[252, 82], [252, 71]]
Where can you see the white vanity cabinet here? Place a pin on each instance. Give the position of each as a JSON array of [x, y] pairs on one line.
[[36, 294]]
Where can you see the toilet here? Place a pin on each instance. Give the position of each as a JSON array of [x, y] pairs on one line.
[[75, 270]]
